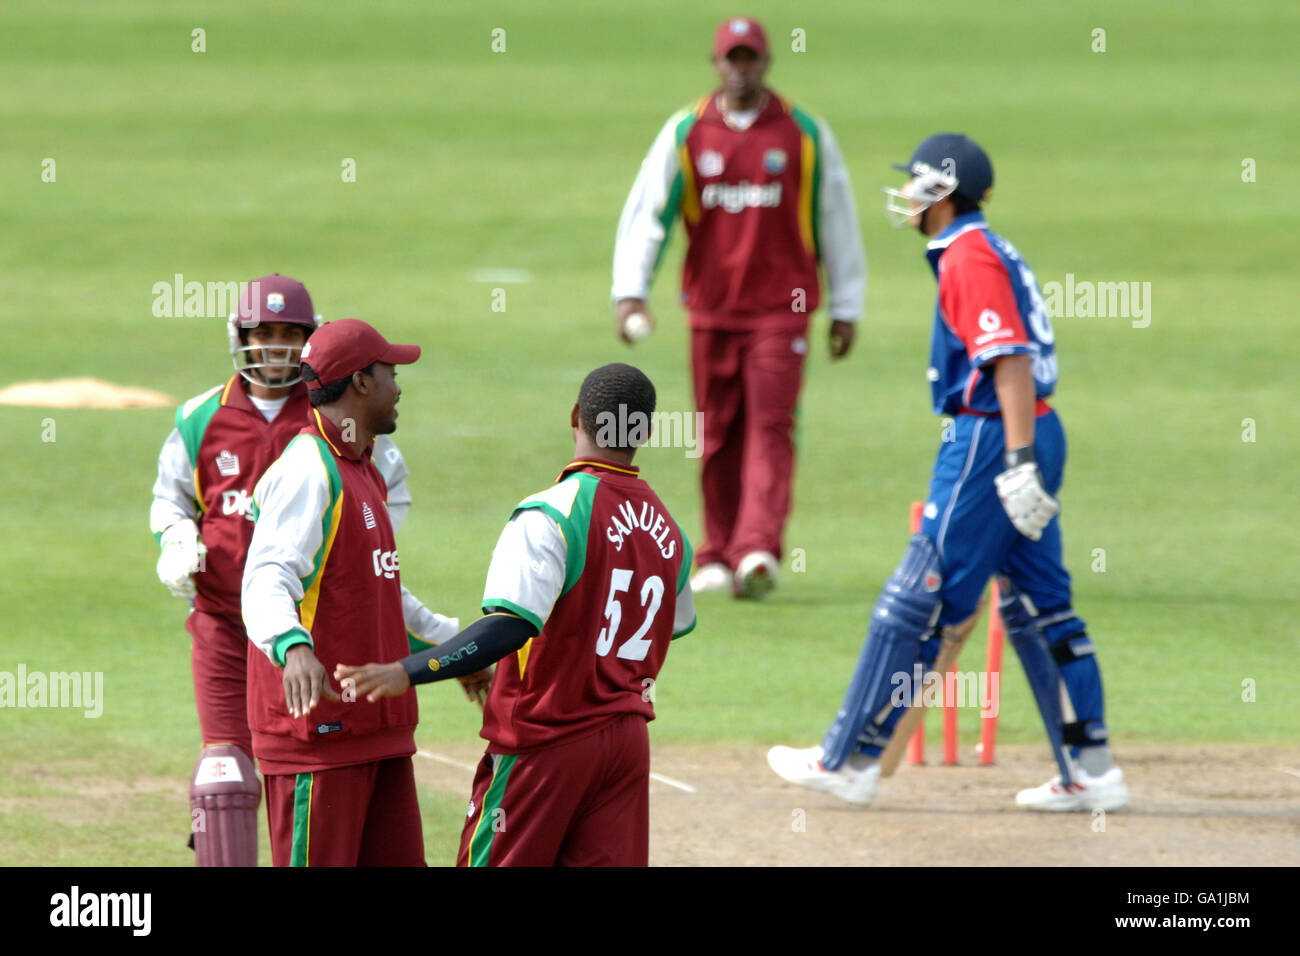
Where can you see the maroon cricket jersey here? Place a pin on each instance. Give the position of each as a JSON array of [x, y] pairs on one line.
[[599, 651], [352, 607], [749, 204], [230, 444]]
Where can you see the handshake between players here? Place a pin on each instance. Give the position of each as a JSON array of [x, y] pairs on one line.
[[306, 681]]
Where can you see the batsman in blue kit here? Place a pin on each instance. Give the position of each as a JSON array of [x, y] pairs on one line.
[[991, 508]]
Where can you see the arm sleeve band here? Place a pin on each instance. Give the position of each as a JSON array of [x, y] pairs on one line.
[[484, 642]]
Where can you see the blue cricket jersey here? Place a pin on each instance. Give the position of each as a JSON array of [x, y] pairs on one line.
[[988, 305]]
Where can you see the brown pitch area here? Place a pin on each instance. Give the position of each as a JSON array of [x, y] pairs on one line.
[[1210, 805]]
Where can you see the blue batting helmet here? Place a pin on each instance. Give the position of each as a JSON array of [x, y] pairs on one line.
[[957, 156]]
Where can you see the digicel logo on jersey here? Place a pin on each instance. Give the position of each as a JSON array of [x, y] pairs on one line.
[[237, 502], [744, 195], [385, 563]]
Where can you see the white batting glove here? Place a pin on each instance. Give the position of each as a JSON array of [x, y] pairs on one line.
[[183, 553], [1027, 503]]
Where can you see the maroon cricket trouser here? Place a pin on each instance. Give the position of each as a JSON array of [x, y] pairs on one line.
[[219, 660], [583, 802], [362, 815], [747, 387]]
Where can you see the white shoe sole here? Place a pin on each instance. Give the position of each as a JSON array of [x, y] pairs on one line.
[[793, 766], [1107, 797]]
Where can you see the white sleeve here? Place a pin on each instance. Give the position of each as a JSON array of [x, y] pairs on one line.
[[388, 459], [527, 570], [173, 491], [684, 619], [292, 498], [839, 238], [640, 228], [428, 626]]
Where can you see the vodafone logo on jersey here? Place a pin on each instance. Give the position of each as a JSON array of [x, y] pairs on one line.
[[385, 563], [991, 323]]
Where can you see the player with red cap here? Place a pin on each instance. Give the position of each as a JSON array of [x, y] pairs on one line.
[[766, 204], [586, 590], [222, 442], [322, 584]]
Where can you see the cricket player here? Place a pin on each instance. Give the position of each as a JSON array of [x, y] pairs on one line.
[[766, 202], [322, 583], [991, 507], [223, 440], [588, 585]]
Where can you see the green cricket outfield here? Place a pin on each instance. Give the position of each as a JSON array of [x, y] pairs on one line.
[[465, 198]]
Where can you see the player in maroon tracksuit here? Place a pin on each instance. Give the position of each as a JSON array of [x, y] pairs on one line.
[[322, 584], [224, 439], [587, 587], [765, 201]]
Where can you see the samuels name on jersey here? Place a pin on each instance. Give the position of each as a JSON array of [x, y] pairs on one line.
[[648, 519], [600, 541]]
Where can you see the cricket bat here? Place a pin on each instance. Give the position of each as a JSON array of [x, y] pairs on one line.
[[951, 641]]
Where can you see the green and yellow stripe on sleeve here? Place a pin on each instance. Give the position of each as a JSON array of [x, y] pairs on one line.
[[682, 196], [810, 181], [311, 584]]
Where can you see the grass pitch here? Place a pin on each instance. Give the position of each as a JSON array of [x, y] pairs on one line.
[[1166, 159]]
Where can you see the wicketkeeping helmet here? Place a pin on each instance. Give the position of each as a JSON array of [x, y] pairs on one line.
[[943, 164], [273, 298]]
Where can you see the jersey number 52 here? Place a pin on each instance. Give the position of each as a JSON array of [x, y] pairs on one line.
[[636, 647]]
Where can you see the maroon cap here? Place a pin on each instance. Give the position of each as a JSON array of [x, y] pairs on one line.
[[737, 32], [275, 298], [337, 349]]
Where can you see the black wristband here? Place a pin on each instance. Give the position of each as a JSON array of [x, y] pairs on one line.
[[1019, 456]]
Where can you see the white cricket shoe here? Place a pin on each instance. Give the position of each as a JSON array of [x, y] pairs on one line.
[[804, 768], [756, 574], [712, 577], [1106, 792]]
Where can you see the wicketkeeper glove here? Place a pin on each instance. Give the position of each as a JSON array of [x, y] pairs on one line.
[[183, 553], [1026, 502]]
